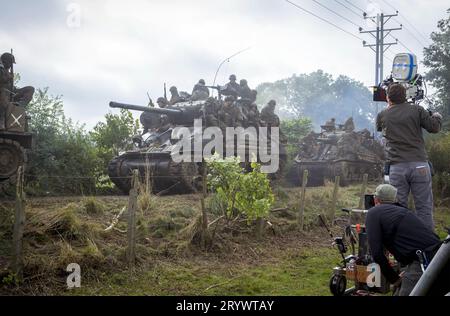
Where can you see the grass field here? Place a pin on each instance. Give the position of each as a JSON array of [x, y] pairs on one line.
[[285, 261]]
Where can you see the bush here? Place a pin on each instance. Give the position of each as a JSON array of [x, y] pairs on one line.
[[439, 151], [237, 192]]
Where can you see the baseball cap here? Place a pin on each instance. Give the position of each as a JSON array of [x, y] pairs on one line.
[[386, 193]]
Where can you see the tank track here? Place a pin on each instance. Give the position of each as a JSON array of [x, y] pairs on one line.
[[167, 177], [7, 182]]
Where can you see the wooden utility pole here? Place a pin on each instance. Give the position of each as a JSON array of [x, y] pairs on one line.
[[362, 193], [131, 229], [203, 205], [332, 214]]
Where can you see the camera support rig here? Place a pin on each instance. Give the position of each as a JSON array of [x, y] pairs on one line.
[[404, 72]]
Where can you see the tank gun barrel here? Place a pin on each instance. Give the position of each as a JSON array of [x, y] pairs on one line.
[[179, 116], [166, 111]]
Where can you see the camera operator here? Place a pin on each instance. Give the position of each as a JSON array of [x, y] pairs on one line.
[[400, 231], [401, 124]]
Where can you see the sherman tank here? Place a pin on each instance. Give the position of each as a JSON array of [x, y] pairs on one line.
[[15, 140], [153, 152], [339, 151]]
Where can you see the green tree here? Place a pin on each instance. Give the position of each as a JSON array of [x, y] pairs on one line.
[[114, 135], [64, 159], [295, 130], [438, 148], [239, 192], [437, 59], [319, 97]]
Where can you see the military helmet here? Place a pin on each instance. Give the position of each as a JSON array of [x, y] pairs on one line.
[[161, 100], [202, 81], [243, 82], [272, 102], [8, 58], [173, 88], [232, 77]]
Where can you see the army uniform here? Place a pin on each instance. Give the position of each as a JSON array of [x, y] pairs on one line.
[[230, 115], [244, 90], [232, 88], [5, 79], [21, 96], [349, 126], [210, 110], [330, 126], [175, 96], [251, 114], [200, 92], [348, 145], [268, 115], [307, 145]]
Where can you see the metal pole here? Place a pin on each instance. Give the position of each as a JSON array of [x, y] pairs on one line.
[[381, 47], [440, 260], [377, 57]]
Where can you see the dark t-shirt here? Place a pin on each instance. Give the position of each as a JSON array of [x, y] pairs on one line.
[[402, 125], [401, 232]]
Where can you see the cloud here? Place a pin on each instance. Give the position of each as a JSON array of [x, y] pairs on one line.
[[124, 49]]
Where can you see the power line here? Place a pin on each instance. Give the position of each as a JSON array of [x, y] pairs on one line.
[[407, 21], [323, 20], [339, 15], [355, 6], [401, 43], [349, 9]]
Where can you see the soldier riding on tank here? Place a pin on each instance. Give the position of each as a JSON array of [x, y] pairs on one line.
[[200, 91], [15, 139]]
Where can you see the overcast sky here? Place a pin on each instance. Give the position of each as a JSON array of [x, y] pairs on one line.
[[92, 52]]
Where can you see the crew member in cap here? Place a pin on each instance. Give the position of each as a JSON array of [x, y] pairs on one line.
[[392, 227]]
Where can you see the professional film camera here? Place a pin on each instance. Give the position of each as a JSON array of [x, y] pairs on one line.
[[404, 72]]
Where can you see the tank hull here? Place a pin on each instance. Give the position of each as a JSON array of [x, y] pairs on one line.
[[165, 176], [350, 172]]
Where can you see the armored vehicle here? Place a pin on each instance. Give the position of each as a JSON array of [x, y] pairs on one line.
[[15, 140], [153, 152], [339, 151]]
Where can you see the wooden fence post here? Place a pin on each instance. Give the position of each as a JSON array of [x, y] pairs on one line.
[[131, 229], [203, 205], [259, 227], [332, 214], [302, 200], [363, 191], [19, 224]]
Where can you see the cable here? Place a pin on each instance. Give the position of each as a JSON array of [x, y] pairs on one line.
[[401, 43], [339, 15], [324, 20], [349, 9], [355, 6], [406, 20]]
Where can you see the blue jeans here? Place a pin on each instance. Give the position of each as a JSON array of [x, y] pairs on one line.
[[414, 177]]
